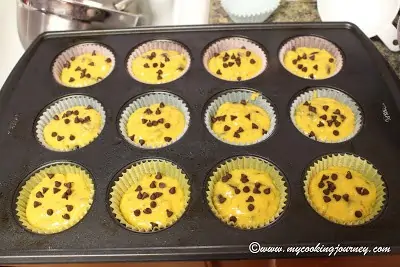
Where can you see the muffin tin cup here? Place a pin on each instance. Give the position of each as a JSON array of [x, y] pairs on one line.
[[328, 93], [234, 43], [62, 105], [132, 175], [147, 100], [235, 96], [313, 42], [247, 162], [358, 164], [244, 17], [78, 50], [36, 178], [158, 44]]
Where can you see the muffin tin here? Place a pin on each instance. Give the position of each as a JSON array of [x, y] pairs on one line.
[[198, 234]]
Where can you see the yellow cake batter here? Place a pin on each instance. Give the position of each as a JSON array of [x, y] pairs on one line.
[[58, 200], [86, 69], [159, 66], [235, 65], [246, 197], [156, 125], [325, 119], [240, 122], [73, 128], [154, 202], [342, 194], [310, 63]]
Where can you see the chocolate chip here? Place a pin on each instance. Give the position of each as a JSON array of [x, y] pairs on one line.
[[88, 75], [36, 204], [312, 109], [158, 111], [337, 123], [304, 69], [141, 142], [132, 137], [226, 128], [148, 111], [69, 207], [221, 199], [252, 61], [246, 189], [331, 186], [267, 191], [331, 60], [167, 139], [68, 192], [67, 65], [334, 118], [232, 219], [326, 191], [172, 190], [324, 177], [343, 117], [321, 184], [226, 177], [300, 66], [294, 61], [162, 185], [136, 213], [146, 65], [233, 117], [320, 124], [159, 72], [250, 207], [311, 76], [247, 116], [153, 204], [348, 175], [138, 188], [45, 189], [71, 80], [240, 130], [336, 197], [311, 134], [254, 126], [154, 123], [68, 185], [50, 212], [53, 134], [358, 214], [158, 176], [72, 137], [167, 125], [66, 216], [147, 211], [145, 195], [346, 197], [256, 191], [264, 131], [149, 124], [327, 199], [312, 57], [108, 60], [325, 107], [330, 122], [362, 191], [221, 118], [153, 225], [153, 184], [144, 121], [56, 190], [324, 117], [77, 120], [169, 213], [56, 117], [248, 53], [236, 135], [239, 78], [225, 65], [250, 199], [336, 132], [219, 72], [139, 195], [162, 65], [39, 195], [337, 112], [334, 176], [243, 178], [304, 56]]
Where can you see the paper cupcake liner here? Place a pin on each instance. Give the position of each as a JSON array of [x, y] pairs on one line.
[[248, 162], [236, 95], [35, 178], [62, 105], [149, 99], [235, 11], [158, 44], [132, 175], [314, 42], [234, 43], [328, 93], [78, 50], [357, 164]]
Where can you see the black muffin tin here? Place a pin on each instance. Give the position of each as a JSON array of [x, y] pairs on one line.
[[198, 234]]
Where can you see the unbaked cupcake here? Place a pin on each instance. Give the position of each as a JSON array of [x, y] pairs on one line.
[[246, 192], [55, 198], [150, 195], [344, 189]]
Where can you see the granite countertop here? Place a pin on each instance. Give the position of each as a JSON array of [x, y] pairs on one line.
[[304, 11]]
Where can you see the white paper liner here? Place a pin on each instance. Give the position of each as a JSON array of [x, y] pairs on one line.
[[147, 100], [238, 15], [62, 105], [248, 162], [35, 178], [236, 95], [328, 93], [78, 50], [353, 162], [313, 42], [234, 43], [132, 175], [158, 44]]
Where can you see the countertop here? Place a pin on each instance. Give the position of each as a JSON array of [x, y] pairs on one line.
[[304, 11]]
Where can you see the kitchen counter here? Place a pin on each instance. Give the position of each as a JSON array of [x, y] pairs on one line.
[[301, 12]]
